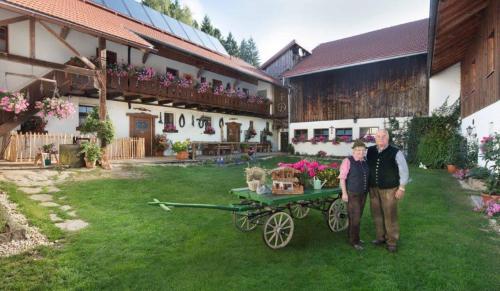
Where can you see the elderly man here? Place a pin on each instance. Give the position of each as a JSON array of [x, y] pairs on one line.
[[388, 179]]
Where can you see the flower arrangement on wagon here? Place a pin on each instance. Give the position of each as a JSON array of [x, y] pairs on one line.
[[312, 170], [13, 102], [55, 107]]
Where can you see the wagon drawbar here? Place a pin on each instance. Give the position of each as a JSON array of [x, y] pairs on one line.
[[276, 212]]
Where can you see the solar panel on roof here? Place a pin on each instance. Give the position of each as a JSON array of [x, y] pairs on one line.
[[176, 27], [117, 5], [206, 40], [137, 11], [218, 45], [157, 19], [99, 2], [193, 36]]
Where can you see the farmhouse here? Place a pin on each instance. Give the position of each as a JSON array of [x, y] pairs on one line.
[[464, 62], [348, 88], [162, 75]]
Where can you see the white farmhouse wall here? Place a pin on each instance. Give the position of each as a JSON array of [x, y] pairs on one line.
[[445, 84], [484, 122], [341, 149], [118, 114]]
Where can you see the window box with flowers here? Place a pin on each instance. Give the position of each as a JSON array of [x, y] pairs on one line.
[[169, 127], [144, 80], [209, 130]]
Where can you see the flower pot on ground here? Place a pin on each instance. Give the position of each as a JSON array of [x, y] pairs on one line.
[[451, 169], [160, 144], [487, 198], [92, 152], [181, 149]]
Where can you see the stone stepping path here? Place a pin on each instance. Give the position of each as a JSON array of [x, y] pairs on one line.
[[39, 184]]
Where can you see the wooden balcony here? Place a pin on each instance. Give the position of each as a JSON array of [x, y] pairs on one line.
[[151, 92]]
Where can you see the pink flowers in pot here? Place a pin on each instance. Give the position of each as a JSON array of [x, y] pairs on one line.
[[13, 102], [203, 88], [219, 90], [145, 74], [185, 82], [169, 127], [55, 107], [492, 208], [167, 80], [209, 130]]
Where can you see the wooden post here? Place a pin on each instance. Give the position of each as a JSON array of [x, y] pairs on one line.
[[101, 80]]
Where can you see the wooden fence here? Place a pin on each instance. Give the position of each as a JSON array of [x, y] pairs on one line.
[[24, 147]]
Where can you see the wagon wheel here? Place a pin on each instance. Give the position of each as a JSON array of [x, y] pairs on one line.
[[278, 230], [298, 211], [242, 222], [337, 218]]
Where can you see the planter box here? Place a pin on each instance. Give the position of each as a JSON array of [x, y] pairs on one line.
[[182, 155]]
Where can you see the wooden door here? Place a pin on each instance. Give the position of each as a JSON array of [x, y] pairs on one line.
[[233, 132], [284, 141], [142, 125]]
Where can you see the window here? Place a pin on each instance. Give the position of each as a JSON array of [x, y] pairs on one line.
[[300, 133], [111, 58], [344, 133], [491, 52], [228, 86], [262, 93], [364, 131], [216, 83], [245, 90], [169, 118], [3, 39], [321, 132], [83, 112], [173, 72], [203, 79]]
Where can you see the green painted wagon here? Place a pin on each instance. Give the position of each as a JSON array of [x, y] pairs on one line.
[[276, 212]]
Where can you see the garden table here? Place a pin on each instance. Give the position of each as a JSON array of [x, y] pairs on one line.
[[275, 213]]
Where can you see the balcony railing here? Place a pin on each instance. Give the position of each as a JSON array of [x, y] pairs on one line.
[[188, 96]]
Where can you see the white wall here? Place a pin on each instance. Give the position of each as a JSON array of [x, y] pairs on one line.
[[117, 112], [484, 122], [445, 84], [341, 149]]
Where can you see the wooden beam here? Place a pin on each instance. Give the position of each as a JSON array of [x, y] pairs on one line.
[[46, 64], [145, 57], [86, 61], [6, 22], [64, 32], [102, 78], [163, 102], [32, 38], [132, 97]]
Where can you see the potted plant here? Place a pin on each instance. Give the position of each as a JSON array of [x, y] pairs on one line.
[[160, 144], [490, 149], [181, 149], [48, 149], [169, 127], [92, 152]]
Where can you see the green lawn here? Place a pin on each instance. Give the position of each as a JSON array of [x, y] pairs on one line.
[[130, 245]]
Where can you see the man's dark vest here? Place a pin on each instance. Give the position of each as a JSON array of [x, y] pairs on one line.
[[384, 171], [357, 179]]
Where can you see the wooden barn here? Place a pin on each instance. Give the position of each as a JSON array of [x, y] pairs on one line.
[[348, 88], [464, 61]]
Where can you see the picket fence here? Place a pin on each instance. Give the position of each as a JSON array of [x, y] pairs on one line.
[[25, 147]]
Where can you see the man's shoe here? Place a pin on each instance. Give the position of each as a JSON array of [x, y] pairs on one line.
[[392, 249], [378, 242], [358, 247]]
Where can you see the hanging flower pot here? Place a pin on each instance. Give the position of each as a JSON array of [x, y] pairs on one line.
[[13, 102], [55, 107]]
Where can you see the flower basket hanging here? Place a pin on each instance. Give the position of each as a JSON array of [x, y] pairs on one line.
[[13, 102], [55, 107]]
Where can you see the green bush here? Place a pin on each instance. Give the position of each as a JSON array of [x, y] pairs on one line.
[[91, 150], [457, 151], [479, 173], [433, 150], [180, 146], [104, 130]]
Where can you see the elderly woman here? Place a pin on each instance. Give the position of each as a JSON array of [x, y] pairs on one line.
[[354, 183]]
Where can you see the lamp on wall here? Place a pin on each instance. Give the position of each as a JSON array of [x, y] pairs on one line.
[[160, 121], [469, 130]]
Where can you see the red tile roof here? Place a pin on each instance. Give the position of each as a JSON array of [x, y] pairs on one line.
[[103, 21], [396, 41]]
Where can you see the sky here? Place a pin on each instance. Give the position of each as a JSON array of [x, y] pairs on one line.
[[274, 23]]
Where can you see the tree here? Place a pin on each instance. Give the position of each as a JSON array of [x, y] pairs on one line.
[[231, 45], [253, 53], [243, 54], [158, 5], [206, 25], [171, 8], [216, 33], [195, 24]]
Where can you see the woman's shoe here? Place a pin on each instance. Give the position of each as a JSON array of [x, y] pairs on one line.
[[358, 247]]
